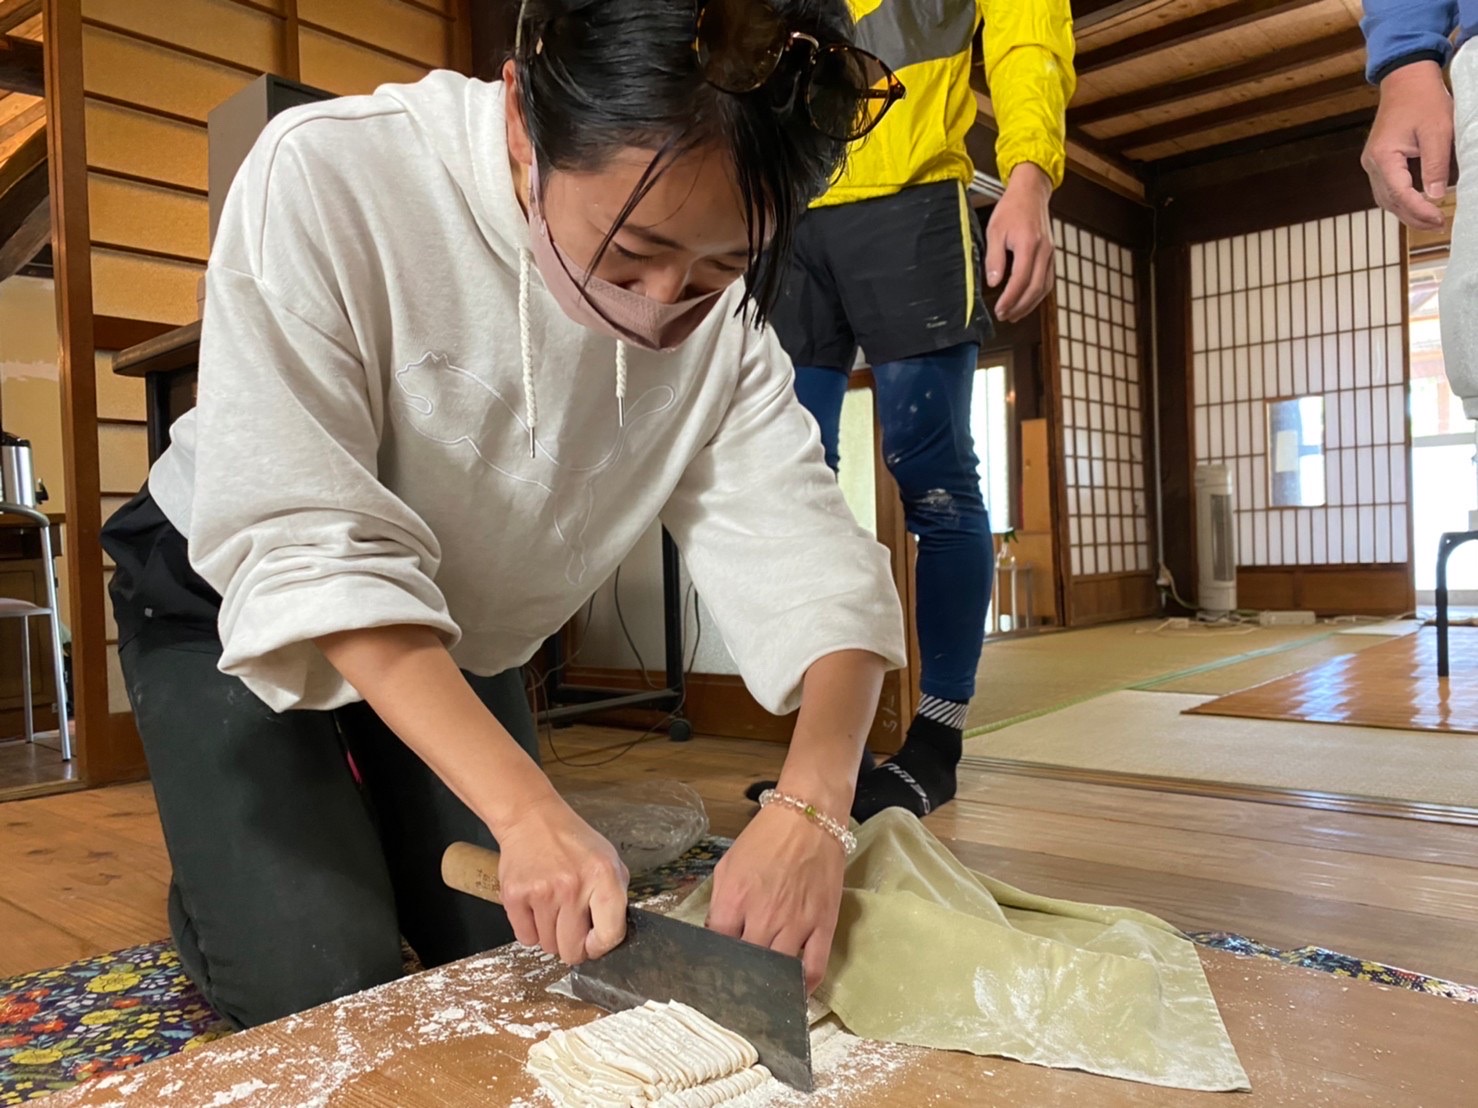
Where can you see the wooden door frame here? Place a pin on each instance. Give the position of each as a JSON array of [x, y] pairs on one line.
[[104, 750]]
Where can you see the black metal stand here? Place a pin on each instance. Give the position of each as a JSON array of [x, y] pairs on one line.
[[568, 703], [1450, 542]]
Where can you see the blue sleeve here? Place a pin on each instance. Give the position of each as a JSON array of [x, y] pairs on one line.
[[1401, 30]]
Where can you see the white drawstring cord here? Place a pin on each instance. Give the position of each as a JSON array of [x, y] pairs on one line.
[[526, 348], [620, 383]]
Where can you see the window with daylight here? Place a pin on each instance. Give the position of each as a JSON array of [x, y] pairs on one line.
[[1307, 312]]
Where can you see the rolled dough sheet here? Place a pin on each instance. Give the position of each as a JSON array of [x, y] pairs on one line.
[[664, 1055], [929, 953]]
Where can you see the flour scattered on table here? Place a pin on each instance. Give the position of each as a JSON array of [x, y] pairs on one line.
[[239, 1091]]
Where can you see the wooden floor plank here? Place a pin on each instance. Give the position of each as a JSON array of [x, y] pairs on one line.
[[1087, 842], [1438, 890], [1393, 685], [33, 942], [28, 769], [1357, 834]]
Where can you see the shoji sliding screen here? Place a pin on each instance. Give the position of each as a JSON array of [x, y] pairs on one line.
[[1299, 384], [1104, 427]]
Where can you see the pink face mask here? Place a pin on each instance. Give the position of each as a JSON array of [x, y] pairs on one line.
[[603, 307]]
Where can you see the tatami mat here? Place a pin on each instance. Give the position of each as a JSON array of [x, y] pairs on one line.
[[1221, 680], [1146, 733]]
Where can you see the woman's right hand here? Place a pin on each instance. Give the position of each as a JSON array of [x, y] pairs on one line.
[[564, 886]]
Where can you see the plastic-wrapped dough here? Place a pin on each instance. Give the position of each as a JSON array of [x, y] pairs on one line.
[[666, 1055]]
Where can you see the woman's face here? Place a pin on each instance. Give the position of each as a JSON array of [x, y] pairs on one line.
[[688, 237]]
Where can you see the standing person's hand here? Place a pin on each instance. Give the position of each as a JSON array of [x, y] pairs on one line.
[[563, 885], [1020, 227], [1414, 121]]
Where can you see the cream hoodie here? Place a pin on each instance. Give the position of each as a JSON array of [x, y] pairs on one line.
[[360, 454]]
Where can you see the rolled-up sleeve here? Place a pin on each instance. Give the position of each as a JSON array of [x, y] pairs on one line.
[[289, 521]]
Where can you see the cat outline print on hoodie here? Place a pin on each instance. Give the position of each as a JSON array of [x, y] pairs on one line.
[[465, 413]]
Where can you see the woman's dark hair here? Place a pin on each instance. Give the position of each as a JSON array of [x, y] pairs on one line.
[[599, 76]]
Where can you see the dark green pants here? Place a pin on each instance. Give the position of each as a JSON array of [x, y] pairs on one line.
[[292, 884]]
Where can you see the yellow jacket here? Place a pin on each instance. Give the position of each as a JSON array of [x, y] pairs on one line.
[[928, 43]]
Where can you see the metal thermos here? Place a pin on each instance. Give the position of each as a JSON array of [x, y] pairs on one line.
[[19, 479]]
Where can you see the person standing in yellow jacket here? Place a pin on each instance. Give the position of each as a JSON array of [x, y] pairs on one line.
[[889, 260]]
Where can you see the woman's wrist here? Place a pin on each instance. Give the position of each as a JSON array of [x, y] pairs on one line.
[[830, 793], [504, 800], [822, 823]]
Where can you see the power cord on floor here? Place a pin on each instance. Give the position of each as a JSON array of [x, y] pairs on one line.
[[641, 665], [1224, 625], [1166, 581], [652, 733]]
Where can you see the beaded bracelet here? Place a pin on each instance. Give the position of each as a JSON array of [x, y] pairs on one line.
[[835, 829]]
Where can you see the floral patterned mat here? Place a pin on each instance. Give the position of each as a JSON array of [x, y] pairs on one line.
[[1341, 965], [101, 1015]]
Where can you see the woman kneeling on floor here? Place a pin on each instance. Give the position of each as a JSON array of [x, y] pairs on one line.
[[464, 343]]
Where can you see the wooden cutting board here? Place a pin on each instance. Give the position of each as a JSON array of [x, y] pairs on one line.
[[458, 1036]]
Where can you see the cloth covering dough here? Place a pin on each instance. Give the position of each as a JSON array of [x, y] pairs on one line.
[[931, 954], [663, 1055]]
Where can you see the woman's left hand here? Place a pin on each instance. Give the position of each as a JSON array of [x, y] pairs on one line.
[[780, 886]]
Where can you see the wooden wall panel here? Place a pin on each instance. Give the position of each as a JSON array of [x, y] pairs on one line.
[[141, 73], [348, 69], [138, 144], [1112, 599], [149, 217], [136, 287], [394, 26], [223, 28], [118, 397], [1328, 590], [123, 457]]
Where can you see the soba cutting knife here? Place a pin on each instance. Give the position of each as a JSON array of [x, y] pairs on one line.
[[754, 992]]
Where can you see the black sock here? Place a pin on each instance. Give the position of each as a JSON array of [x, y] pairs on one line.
[[920, 777], [753, 792]]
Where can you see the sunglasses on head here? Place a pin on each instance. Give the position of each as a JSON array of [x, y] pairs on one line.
[[845, 91]]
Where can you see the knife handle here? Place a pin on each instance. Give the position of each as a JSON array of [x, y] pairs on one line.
[[472, 870]]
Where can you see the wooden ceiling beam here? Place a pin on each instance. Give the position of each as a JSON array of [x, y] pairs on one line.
[[22, 68], [1267, 149], [22, 121], [25, 205], [1105, 169], [1281, 101], [15, 12], [1276, 64], [1090, 13], [1217, 21]]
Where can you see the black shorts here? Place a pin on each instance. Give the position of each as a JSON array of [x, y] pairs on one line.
[[899, 276]]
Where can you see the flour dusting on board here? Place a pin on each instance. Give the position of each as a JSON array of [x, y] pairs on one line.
[[496, 1004]]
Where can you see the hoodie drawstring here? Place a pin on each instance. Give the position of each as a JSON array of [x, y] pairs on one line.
[[620, 383], [526, 350]]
